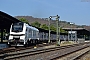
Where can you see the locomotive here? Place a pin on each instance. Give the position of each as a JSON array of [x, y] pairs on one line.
[[22, 34]]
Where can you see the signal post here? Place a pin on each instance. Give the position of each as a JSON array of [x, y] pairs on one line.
[[57, 23]]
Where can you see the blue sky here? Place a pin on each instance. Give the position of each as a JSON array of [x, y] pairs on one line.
[[76, 11]]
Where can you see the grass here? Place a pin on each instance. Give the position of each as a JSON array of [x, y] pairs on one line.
[[66, 43]]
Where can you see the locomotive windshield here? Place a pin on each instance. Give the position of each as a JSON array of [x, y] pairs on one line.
[[17, 27]]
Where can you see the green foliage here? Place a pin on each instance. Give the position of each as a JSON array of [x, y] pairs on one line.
[[44, 26], [36, 24], [52, 28], [24, 20], [62, 31]]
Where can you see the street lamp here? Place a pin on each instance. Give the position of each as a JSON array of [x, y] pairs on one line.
[[71, 29]]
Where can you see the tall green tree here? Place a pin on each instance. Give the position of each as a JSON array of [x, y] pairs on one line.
[[62, 31], [44, 26], [36, 24], [24, 20], [52, 28]]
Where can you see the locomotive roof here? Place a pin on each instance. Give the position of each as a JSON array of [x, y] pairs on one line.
[[47, 31], [32, 27]]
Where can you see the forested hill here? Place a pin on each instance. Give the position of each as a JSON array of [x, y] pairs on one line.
[[64, 24]]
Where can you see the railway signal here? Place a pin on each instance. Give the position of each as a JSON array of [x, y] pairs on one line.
[[49, 29], [57, 20]]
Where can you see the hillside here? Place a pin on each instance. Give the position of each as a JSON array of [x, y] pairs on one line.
[[45, 21]]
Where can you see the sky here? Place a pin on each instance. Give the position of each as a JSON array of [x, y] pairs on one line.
[[75, 11]]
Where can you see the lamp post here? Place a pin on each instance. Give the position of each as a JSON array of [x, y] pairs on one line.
[[71, 29], [49, 28]]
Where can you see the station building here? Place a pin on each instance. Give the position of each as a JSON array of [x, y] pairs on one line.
[[78, 34]]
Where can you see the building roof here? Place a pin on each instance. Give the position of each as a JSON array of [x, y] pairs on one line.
[[82, 31], [6, 20]]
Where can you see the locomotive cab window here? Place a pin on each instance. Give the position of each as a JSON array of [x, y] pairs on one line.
[[17, 27]]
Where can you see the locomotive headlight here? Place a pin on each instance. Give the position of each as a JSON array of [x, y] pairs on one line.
[[22, 37], [10, 37]]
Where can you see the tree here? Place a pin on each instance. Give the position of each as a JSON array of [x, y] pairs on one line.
[[36, 24], [24, 20], [44, 26], [52, 28], [62, 31]]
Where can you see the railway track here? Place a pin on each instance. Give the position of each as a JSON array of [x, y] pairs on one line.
[[14, 49], [75, 55], [45, 53], [85, 56]]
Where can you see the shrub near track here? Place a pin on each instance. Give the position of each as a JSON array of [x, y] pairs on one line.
[[63, 43]]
